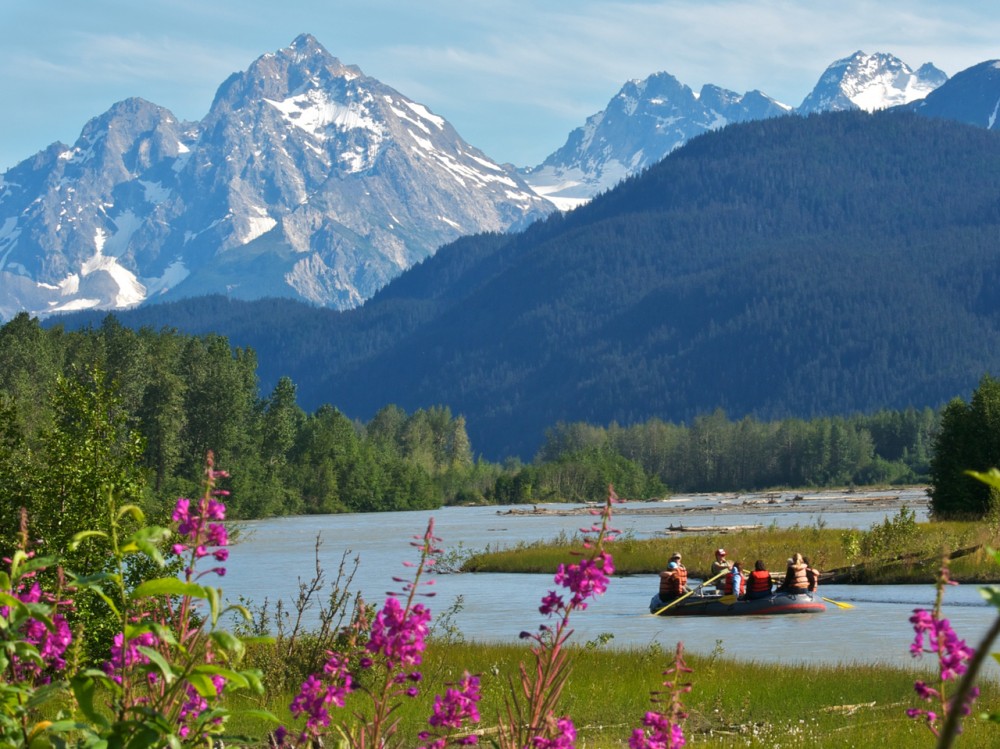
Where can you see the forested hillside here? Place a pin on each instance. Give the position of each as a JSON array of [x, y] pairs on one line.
[[136, 412], [801, 267]]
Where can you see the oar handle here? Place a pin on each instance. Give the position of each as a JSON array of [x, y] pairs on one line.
[[681, 598]]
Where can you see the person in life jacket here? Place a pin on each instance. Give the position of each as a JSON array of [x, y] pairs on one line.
[[812, 575], [796, 576], [673, 580], [721, 564], [758, 582], [736, 581]]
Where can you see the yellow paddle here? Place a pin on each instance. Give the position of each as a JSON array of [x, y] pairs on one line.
[[838, 604], [681, 598]]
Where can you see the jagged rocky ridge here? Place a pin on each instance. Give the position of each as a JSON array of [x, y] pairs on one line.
[[306, 179], [648, 119]]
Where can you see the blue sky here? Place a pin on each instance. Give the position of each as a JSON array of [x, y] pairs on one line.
[[513, 76]]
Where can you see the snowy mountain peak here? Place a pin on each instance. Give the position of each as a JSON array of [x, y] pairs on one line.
[[643, 122], [870, 82], [306, 179]]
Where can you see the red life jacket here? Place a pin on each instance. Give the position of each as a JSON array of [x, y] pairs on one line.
[[760, 580]]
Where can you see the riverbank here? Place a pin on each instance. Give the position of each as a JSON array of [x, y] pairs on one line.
[[731, 703], [897, 550]]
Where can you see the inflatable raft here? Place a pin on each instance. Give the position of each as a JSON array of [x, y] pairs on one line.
[[719, 605]]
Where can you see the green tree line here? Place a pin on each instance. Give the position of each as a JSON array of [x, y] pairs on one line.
[[158, 401]]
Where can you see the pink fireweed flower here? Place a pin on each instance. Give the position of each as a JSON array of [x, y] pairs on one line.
[[399, 637], [660, 734], [196, 705], [125, 655], [663, 730], [198, 536], [941, 640], [459, 704], [586, 579], [564, 738], [49, 644], [934, 634], [317, 694]]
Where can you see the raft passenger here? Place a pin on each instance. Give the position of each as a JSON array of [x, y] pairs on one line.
[[759, 582], [796, 576], [673, 580]]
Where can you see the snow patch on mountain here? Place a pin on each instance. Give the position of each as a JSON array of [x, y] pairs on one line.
[[314, 112], [870, 82], [646, 120], [306, 178]]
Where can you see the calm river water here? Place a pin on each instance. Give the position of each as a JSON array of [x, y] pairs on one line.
[[275, 554]]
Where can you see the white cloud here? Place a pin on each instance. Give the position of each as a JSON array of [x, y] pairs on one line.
[[513, 76]]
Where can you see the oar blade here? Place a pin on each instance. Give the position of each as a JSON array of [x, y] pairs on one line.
[[839, 604]]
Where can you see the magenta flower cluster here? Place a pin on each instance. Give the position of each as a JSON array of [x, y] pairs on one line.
[[458, 705], [935, 635], [585, 579], [124, 654], [564, 738], [399, 635], [199, 534], [50, 644], [315, 696], [196, 705], [660, 733]]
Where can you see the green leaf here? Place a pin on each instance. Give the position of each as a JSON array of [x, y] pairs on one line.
[[163, 634], [227, 641], [161, 663], [239, 609], [133, 510], [992, 596], [169, 586], [261, 714], [255, 678], [203, 683], [6, 599], [990, 477], [84, 688], [82, 536], [233, 678], [214, 596]]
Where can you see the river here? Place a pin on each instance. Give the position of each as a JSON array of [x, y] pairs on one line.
[[275, 554]]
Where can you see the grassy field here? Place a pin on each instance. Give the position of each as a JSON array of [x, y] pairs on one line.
[[896, 551], [731, 703]]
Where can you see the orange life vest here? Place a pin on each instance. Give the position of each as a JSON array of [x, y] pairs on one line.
[[796, 577], [673, 583], [760, 580]]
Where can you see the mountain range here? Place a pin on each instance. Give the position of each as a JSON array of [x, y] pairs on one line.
[[648, 119], [305, 179], [309, 180], [790, 266]]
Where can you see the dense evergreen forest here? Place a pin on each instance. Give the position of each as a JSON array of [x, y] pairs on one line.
[[140, 410], [787, 268]]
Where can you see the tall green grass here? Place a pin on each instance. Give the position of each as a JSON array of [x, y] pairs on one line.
[[732, 703], [874, 553]]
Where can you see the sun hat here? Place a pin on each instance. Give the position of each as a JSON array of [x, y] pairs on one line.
[[675, 555], [720, 552]]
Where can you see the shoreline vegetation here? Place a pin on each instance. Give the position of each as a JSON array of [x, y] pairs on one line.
[[898, 550], [732, 703]]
